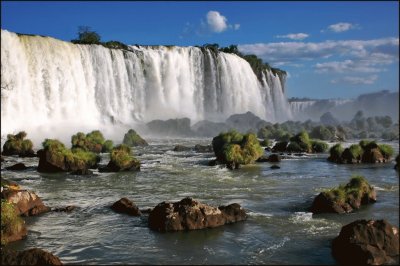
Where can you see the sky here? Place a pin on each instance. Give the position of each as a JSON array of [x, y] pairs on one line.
[[329, 49]]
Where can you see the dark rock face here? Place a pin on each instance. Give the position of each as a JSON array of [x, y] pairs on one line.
[[203, 148], [17, 167], [181, 148], [373, 156], [125, 205], [64, 209], [83, 171], [327, 203], [34, 256], [189, 214], [262, 159], [133, 165], [274, 158], [245, 122], [367, 243], [212, 162], [27, 203]]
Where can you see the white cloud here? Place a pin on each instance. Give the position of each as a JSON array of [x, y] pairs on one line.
[[356, 80], [294, 36], [341, 27], [365, 54], [347, 66], [216, 22], [236, 26]]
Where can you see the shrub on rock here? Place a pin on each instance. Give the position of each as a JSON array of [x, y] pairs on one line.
[[303, 140], [131, 138], [121, 160], [18, 145], [335, 153], [346, 198], [55, 157], [234, 149], [280, 146], [352, 154], [365, 242], [319, 146], [93, 142], [12, 226]]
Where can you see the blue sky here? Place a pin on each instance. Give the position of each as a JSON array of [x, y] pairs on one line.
[[330, 49]]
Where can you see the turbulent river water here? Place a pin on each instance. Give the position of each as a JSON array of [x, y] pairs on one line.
[[279, 230]]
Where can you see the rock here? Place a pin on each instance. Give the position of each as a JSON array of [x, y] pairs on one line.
[[18, 145], [268, 149], [33, 256], [274, 158], [365, 242], [207, 128], [245, 122], [83, 171], [121, 159], [275, 167], [146, 211], [131, 138], [262, 159], [69, 208], [27, 203], [171, 127], [373, 156], [17, 167], [125, 205], [213, 162], [203, 148], [346, 198], [181, 148], [2, 158], [189, 214]]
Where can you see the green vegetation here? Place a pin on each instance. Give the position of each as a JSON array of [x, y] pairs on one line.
[[76, 156], [18, 145], [322, 132], [366, 152], [131, 138], [86, 36], [354, 190], [11, 222], [234, 149], [319, 146], [121, 157], [92, 141], [303, 140], [386, 150], [107, 146], [265, 142]]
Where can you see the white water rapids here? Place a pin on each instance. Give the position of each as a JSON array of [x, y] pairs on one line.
[[49, 85]]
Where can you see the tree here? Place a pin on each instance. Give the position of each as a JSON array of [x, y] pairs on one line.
[[87, 36]]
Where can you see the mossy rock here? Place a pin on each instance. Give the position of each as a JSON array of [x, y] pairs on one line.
[[303, 140], [352, 154], [55, 157], [12, 226], [280, 146], [344, 199], [234, 149], [18, 145], [121, 160], [93, 142], [319, 146], [131, 138]]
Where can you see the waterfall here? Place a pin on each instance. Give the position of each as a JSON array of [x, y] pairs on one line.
[[49, 85]]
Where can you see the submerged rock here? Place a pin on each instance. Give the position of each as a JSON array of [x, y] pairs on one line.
[[367, 243], [33, 256], [275, 167], [127, 206], [83, 171], [262, 159], [203, 148], [189, 214], [69, 208], [17, 167], [181, 148]]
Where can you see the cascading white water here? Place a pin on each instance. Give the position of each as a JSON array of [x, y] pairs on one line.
[[52, 85]]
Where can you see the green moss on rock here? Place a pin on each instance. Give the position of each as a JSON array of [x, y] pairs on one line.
[[18, 145], [131, 138], [12, 226]]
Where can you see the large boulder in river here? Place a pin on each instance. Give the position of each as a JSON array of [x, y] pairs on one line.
[[367, 243], [131, 138], [346, 198], [121, 159], [33, 256], [189, 214], [127, 206], [55, 157], [27, 203]]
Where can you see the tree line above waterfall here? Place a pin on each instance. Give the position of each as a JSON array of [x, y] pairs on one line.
[[88, 36]]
